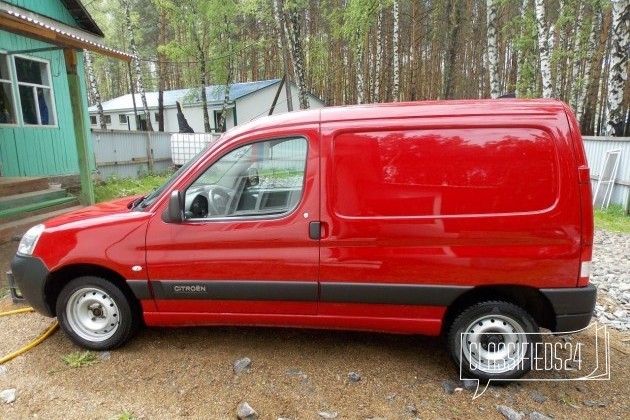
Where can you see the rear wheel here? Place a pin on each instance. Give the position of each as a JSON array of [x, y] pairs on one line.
[[96, 314], [493, 340]]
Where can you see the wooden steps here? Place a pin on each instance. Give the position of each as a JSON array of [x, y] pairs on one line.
[[25, 202]]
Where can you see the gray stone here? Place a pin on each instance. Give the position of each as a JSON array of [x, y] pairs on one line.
[[354, 377], [328, 414], [581, 388], [509, 413], [535, 415], [8, 395], [106, 356], [589, 403], [3, 369], [241, 364], [246, 412], [411, 409], [448, 386], [538, 397], [294, 371], [469, 384], [620, 313]]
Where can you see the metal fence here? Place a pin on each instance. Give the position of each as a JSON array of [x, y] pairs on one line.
[[596, 148], [130, 154]]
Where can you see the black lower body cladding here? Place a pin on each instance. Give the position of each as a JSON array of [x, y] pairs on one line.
[[30, 274]]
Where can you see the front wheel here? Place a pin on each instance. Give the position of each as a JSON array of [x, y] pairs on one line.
[[493, 340], [95, 314]]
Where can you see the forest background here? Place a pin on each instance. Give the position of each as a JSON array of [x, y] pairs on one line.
[[363, 51]]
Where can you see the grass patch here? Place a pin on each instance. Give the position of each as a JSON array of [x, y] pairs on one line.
[[79, 359], [614, 219], [117, 188], [3, 292], [124, 415]]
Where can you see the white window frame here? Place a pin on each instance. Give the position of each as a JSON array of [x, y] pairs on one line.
[[120, 120], [53, 108], [11, 84], [93, 120], [108, 118]]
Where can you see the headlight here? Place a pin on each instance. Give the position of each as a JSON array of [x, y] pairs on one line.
[[29, 240]]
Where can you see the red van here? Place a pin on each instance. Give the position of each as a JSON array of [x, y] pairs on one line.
[[466, 218]]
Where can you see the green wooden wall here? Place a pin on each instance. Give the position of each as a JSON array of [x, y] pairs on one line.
[[52, 8], [43, 151]]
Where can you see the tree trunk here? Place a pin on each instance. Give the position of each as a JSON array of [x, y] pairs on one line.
[[493, 53], [376, 96], [396, 58], [161, 64], [277, 4], [543, 49], [358, 58], [455, 16], [138, 67], [294, 27], [202, 86], [618, 75], [89, 61]]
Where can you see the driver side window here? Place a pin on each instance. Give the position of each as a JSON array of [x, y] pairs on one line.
[[264, 178]]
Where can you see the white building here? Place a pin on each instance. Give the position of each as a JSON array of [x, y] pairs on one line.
[[247, 101]]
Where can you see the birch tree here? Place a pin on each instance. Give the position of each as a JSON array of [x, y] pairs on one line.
[[137, 65], [543, 49], [618, 75], [293, 19], [493, 53], [89, 62], [395, 40], [376, 94]]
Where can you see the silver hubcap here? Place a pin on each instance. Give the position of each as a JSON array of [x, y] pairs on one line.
[[494, 344], [92, 314]]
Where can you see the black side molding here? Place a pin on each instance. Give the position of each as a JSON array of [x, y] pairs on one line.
[[391, 294]]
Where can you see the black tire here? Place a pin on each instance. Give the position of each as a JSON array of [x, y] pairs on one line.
[[96, 314], [499, 341]]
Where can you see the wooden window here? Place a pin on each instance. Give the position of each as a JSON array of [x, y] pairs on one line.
[[36, 96], [108, 119], [93, 119], [7, 101], [122, 118]]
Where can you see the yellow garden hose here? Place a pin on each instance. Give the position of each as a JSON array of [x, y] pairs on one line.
[[44, 336]]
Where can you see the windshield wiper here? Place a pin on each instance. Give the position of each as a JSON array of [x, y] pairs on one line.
[[137, 202]]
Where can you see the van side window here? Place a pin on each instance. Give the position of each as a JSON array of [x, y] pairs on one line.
[[263, 178], [450, 171]]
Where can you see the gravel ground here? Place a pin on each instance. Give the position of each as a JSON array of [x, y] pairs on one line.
[[200, 373]]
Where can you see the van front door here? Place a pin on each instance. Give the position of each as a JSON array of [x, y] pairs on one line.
[[243, 246]]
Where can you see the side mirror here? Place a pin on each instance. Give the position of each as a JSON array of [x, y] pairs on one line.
[[175, 211]]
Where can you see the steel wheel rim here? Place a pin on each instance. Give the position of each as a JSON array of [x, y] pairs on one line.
[[92, 314], [494, 344]]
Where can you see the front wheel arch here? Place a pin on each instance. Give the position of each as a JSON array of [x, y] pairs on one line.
[[57, 280]]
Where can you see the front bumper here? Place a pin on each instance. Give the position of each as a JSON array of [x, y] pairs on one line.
[[30, 274], [573, 307]]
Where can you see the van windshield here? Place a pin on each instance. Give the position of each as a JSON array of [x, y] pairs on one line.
[[149, 199]]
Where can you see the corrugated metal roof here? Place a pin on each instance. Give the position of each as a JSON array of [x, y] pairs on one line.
[[214, 94]]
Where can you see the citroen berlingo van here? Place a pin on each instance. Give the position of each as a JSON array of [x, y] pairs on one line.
[[470, 219]]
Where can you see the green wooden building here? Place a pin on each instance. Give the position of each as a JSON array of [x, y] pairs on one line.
[[44, 121]]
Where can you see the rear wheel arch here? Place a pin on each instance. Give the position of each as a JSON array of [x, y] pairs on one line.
[[528, 298]]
